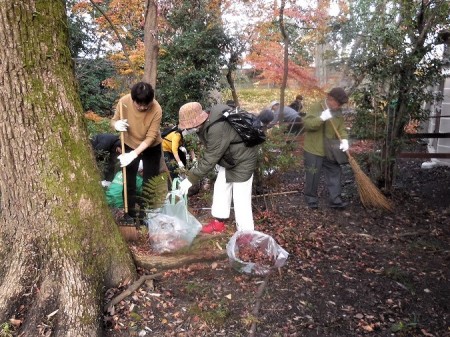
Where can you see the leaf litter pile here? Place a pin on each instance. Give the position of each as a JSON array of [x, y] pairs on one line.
[[249, 253], [352, 272]]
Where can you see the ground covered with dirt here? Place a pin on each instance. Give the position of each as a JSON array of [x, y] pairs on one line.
[[354, 272]]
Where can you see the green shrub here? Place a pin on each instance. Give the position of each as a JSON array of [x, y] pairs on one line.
[[101, 126], [274, 157]]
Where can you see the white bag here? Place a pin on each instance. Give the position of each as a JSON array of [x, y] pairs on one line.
[[172, 226], [260, 244]]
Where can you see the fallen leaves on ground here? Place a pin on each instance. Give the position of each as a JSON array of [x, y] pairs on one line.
[[356, 272]]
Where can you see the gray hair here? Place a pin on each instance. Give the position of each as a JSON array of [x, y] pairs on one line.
[[266, 116]]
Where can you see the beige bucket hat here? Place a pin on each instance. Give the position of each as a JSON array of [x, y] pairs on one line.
[[191, 115]]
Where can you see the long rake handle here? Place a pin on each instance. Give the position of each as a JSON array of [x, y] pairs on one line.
[[369, 194], [335, 130], [338, 135], [124, 169]]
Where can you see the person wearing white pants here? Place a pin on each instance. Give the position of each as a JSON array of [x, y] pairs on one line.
[[240, 194], [223, 147]]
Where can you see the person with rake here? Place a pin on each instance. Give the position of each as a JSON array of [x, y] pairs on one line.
[[138, 118], [236, 163], [321, 125]]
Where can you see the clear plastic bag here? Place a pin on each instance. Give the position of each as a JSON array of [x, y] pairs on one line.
[[172, 227], [255, 253]]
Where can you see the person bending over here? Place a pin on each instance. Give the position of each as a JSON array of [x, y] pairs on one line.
[[224, 149]]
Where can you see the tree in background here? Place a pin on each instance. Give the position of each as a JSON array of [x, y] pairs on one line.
[[190, 61], [96, 85], [55, 259], [393, 64], [238, 19], [186, 38], [93, 71], [267, 53], [151, 44], [234, 49]]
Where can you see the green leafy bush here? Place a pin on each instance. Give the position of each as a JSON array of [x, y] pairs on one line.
[[101, 126], [276, 155]]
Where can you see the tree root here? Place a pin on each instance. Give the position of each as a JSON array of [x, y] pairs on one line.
[[274, 193], [417, 233], [130, 290], [195, 254], [257, 306]]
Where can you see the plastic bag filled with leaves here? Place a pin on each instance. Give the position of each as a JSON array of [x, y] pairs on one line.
[[255, 253], [172, 227]]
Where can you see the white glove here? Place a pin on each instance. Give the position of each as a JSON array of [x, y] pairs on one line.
[[344, 145], [106, 183], [180, 164], [325, 115], [185, 185], [182, 149], [121, 125], [127, 158]]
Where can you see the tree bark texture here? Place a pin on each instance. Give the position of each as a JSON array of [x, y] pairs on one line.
[[230, 81], [151, 42], [59, 246], [285, 61]]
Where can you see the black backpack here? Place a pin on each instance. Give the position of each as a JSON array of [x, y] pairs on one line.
[[168, 130], [246, 124]]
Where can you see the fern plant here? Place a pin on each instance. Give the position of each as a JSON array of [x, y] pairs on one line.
[[154, 192]]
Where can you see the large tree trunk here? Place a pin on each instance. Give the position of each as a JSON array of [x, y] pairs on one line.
[[285, 62], [151, 55], [151, 42], [230, 81], [59, 246]]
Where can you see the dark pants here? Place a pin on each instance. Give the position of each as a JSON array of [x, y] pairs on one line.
[[150, 157], [172, 164], [111, 168], [107, 163], [313, 168]]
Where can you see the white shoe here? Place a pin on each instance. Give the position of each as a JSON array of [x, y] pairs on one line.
[[428, 165]]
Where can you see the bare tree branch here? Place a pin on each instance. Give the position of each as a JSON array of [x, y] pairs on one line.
[[113, 27]]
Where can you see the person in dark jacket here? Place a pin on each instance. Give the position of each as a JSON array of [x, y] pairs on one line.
[[235, 162], [106, 147], [297, 105], [291, 119]]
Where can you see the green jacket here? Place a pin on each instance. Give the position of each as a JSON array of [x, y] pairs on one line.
[[238, 159], [314, 129]]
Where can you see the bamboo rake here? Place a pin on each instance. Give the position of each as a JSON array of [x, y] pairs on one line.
[[124, 169], [369, 194], [130, 233]]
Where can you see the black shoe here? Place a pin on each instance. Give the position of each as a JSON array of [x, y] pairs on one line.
[[339, 205], [128, 220], [313, 205], [140, 219]]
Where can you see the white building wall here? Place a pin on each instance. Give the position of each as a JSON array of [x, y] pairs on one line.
[[440, 145]]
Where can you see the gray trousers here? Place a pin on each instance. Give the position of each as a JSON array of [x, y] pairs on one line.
[[313, 168]]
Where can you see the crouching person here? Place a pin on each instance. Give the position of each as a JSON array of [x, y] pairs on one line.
[[235, 163]]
